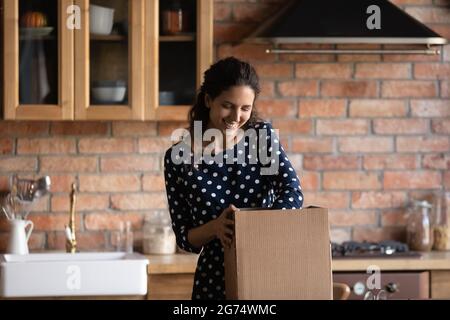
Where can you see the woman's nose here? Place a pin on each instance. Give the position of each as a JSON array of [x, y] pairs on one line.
[[235, 116]]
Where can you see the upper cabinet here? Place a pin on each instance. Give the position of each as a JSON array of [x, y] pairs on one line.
[[125, 60]]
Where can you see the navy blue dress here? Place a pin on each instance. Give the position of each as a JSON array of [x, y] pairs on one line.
[[199, 193]]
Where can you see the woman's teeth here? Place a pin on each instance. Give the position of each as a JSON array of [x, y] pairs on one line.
[[231, 125]]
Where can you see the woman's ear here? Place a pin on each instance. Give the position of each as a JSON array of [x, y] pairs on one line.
[[207, 101]]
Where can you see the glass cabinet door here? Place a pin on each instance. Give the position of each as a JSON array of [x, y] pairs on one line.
[[109, 60], [38, 60]]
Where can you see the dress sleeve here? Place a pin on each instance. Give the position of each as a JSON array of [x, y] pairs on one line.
[[285, 181], [182, 220]]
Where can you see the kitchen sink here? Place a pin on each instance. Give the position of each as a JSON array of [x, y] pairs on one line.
[[79, 274]]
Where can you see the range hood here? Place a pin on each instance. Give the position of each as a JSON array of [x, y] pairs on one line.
[[346, 22]]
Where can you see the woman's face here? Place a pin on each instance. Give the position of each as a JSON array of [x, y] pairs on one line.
[[231, 109]]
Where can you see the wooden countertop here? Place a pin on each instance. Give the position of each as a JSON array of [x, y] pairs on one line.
[[186, 263]]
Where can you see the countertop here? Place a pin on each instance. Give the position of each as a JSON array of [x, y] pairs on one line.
[[186, 263]]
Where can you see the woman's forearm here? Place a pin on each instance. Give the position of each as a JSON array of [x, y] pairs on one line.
[[200, 236]]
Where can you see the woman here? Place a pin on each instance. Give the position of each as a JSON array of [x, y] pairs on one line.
[[203, 194]]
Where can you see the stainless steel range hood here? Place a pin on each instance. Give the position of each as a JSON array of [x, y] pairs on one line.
[[346, 22]]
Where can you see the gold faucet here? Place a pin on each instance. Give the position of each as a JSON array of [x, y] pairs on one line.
[[71, 242]]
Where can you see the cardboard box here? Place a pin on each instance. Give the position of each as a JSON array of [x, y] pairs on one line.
[[280, 254]]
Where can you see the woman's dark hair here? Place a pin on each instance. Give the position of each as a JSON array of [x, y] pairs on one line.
[[220, 77]]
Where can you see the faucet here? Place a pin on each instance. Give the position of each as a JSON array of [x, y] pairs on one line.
[[71, 242]]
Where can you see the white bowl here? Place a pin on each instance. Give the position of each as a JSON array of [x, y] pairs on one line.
[[101, 20], [109, 94]]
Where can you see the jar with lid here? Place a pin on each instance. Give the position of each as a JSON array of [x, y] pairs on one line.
[[175, 18], [158, 236], [419, 230], [441, 227]]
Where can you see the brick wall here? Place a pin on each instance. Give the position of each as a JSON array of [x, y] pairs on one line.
[[366, 133]]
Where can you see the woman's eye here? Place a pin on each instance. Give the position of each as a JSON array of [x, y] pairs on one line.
[[246, 109], [226, 106]]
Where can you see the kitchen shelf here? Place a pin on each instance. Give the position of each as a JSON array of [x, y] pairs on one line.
[[112, 37], [179, 38]]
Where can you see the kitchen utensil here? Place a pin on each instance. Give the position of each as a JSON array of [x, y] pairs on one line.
[[109, 91], [18, 236], [41, 187], [101, 19]]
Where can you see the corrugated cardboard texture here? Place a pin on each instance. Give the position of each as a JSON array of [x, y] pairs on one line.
[[280, 255]]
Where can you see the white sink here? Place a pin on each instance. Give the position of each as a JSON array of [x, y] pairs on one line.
[[80, 274]]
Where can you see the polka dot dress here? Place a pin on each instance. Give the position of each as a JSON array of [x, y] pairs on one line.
[[199, 193]]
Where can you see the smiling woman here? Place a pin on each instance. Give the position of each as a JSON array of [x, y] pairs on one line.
[[203, 194]]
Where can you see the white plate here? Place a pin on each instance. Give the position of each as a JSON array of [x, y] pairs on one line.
[[36, 32]]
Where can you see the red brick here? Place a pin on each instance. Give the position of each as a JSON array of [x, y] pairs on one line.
[[378, 199], [446, 53], [154, 182], [152, 145], [275, 70], [46, 146], [401, 126], [390, 161], [270, 108], [430, 14], [298, 88], [68, 164], [349, 88], [432, 70], [86, 241], [340, 235], [359, 58], [230, 32], [79, 128], [106, 146], [222, 12], [165, 129], [62, 183], [6, 146], [404, 89], [331, 200], [447, 180], [377, 108], [350, 180], [4, 183], [52, 222], [10, 164], [267, 89], [430, 108], [249, 12], [313, 57], [441, 126], [293, 126], [345, 218], [330, 162], [37, 241], [394, 218], [323, 70], [109, 183], [323, 108], [309, 180], [23, 129], [436, 161], [111, 221], [383, 70], [296, 161], [412, 180], [304, 145], [248, 52], [408, 57], [342, 127], [133, 129], [139, 201], [366, 145], [445, 89], [422, 144], [85, 202], [130, 163], [379, 234]]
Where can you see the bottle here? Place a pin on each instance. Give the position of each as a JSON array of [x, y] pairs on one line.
[[129, 238], [419, 230], [441, 227], [175, 19]]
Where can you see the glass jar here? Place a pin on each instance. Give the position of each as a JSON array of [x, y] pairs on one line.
[[158, 236], [441, 227], [419, 231], [175, 19]]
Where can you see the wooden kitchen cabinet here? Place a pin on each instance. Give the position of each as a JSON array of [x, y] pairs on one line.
[[56, 73]]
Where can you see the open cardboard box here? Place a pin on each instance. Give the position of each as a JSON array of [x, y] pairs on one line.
[[279, 254]]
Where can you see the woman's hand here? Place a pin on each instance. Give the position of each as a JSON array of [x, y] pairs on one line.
[[224, 226]]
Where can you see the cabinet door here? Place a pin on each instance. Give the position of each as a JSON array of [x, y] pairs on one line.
[[109, 50], [38, 60], [180, 44]]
